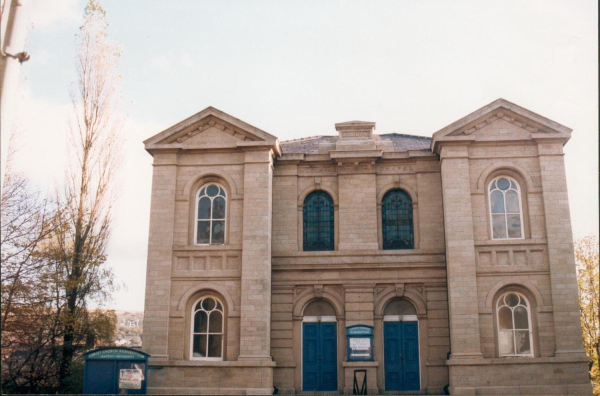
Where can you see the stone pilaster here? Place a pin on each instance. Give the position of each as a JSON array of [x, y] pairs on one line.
[[460, 253], [160, 255], [255, 337], [563, 276]]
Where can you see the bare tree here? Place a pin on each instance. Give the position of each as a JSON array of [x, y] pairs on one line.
[[26, 222], [79, 245], [28, 321]]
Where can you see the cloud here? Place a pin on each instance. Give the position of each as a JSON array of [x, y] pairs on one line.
[[161, 63], [186, 61], [42, 130], [168, 62], [45, 14]]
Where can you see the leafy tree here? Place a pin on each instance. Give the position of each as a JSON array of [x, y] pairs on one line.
[[78, 248], [586, 255]]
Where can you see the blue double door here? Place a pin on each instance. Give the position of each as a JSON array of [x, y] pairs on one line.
[[319, 356], [401, 356]]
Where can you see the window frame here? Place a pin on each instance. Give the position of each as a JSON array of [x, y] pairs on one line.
[[489, 209], [530, 323], [196, 220], [192, 333]]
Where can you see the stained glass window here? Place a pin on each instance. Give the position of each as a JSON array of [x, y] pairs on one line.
[[212, 204], [207, 329], [514, 326], [318, 231], [505, 208], [397, 220]]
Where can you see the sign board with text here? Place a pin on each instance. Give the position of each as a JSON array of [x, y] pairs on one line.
[[115, 370], [360, 343]]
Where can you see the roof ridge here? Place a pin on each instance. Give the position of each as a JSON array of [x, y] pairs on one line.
[[406, 135], [307, 138]]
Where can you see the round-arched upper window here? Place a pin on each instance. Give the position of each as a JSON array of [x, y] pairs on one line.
[[318, 231], [211, 212], [397, 220], [505, 208]]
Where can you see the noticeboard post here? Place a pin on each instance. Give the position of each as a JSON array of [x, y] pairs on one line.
[[360, 343], [115, 370]]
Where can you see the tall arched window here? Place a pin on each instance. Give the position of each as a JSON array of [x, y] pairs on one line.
[[505, 208], [397, 220], [318, 230], [210, 213], [207, 329], [514, 325]]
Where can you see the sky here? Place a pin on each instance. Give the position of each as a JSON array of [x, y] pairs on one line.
[[295, 68]]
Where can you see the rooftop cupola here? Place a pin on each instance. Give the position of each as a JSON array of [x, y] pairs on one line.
[[355, 135]]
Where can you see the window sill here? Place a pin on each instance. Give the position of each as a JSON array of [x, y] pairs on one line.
[[517, 360], [503, 242], [177, 248], [370, 252], [215, 363]]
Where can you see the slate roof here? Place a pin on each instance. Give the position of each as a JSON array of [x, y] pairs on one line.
[[401, 142]]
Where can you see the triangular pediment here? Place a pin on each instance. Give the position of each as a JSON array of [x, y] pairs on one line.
[[498, 121], [210, 128]]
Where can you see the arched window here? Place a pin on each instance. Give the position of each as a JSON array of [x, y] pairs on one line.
[[207, 329], [210, 213], [318, 230], [514, 325], [397, 220], [505, 208]]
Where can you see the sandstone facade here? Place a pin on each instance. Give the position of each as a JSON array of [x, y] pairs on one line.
[[455, 274]]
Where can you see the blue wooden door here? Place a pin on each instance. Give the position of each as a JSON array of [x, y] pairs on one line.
[[319, 357], [401, 356], [104, 380]]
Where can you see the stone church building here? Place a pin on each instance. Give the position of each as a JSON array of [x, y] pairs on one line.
[[425, 262]]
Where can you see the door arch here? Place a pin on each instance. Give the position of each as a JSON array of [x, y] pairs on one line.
[[401, 346], [319, 347]]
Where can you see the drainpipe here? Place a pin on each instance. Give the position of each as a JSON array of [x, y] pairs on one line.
[[14, 23]]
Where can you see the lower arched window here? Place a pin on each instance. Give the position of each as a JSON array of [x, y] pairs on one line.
[[514, 325], [207, 329]]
